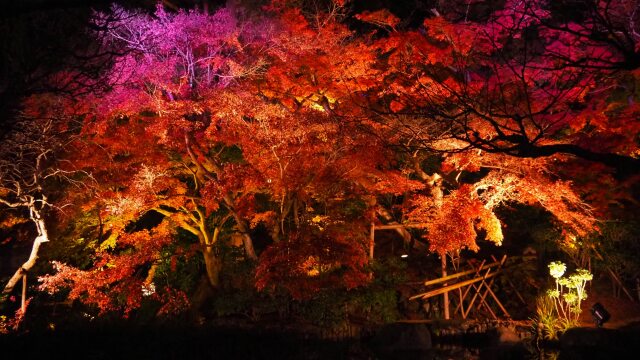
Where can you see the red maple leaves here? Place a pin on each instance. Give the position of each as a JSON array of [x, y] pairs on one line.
[[286, 121]]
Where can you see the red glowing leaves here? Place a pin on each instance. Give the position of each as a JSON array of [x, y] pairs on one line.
[[265, 123], [396, 106], [115, 282], [380, 18], [314, 259]]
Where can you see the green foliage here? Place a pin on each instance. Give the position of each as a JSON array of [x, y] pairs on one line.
[[229, 154], [328, 309], [237, 295], [618, 246], [559, 309], [353, 208], [376, 302], [76, 244], [546, 320], [178, 268]]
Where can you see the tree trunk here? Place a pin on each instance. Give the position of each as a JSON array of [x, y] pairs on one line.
[[198, 300], [242, 225], [212, 265], [27, 265], [246, 237]]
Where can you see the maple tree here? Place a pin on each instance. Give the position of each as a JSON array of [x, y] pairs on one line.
[[521, 94], [171, 60], [226, 122], [190, 98], [522, 81]]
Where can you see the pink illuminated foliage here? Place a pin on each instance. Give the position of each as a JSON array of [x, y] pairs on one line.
[[193, 90], [522, 81]]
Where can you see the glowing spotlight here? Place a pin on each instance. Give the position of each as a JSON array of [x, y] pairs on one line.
[[404, 256]]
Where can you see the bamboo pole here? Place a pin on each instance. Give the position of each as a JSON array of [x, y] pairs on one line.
[[475, 295], [23, 305], [495, 298], [460, 274], [466, 292], [445, 295], [483, 297], [372, 240], [442, 290], [460, 303]]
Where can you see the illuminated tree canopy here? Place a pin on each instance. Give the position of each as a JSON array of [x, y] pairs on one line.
[[284, 133]]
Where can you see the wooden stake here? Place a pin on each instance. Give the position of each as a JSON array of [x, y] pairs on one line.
[[23, 306], [513, 286], [446, 292], [478, 289], [495, 298], [466, 291], [442, 290], [460, 274], [372, 241]]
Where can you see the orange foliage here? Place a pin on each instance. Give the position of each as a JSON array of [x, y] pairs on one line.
[[454, 224], [312, 260]]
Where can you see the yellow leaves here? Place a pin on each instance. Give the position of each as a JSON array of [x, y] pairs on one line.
[[111, 241], [311, 266], [317, 107], [490, 223], [267, 218], [319, 219]]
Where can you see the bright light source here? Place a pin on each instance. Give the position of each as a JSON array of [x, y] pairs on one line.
[[404, 256]]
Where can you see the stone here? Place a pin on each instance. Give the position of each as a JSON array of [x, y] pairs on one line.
[[403, 337], [507, 335]]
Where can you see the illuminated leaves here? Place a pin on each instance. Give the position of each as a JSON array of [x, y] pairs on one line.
[[116, 282], [380, 18], [295, 123], [454, 224], [312, 260]]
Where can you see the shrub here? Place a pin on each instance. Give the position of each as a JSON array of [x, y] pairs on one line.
[[559, 309]]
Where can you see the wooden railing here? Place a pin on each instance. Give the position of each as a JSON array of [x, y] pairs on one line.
[[474, 289]]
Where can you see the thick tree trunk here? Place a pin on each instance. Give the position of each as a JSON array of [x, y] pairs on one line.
[[27, 265], [212, 265], [210, 167]]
